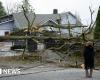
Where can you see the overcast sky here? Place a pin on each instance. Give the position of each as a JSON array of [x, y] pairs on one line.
[[81, 7]]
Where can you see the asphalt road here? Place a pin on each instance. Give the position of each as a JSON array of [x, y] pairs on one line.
[[51, 73]]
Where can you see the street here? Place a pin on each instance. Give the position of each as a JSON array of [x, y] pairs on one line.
[[48, 72]]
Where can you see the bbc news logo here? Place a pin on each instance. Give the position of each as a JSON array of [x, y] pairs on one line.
[[9, 71]]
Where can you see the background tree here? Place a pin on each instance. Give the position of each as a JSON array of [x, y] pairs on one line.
[[26, 5], [97, 28], [2, 10]]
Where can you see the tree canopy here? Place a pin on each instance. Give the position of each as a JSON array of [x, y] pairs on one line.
[[97, 28], [2, 10]]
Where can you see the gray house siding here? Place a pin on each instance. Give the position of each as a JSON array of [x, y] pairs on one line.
[[6, 27]]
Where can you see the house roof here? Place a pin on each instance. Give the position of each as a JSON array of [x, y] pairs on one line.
[[6, 18], [41, 19]]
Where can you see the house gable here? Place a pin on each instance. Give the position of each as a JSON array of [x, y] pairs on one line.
[[50, 22]]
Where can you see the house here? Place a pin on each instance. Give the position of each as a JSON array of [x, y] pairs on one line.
[[46, 22], [9, 23]]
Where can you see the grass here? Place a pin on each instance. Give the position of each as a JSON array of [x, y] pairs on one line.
[[27, 58], [69, 62]]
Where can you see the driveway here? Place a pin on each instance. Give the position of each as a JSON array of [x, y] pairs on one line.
[[5, 49]]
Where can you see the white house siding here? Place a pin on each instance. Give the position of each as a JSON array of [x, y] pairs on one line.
[[2, 32], [6, 27], [72, 20], [75, 31], [67, 18], [64, 31]]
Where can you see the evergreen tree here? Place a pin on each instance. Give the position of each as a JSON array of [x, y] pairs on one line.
[[2, 11], [97, 28]]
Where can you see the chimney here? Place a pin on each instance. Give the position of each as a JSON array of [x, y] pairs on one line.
[[55, 11]]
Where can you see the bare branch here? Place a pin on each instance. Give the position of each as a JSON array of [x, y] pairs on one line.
[[26, 17], [33, 19]]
